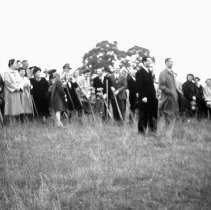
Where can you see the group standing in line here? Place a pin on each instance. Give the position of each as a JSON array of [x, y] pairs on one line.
[[25, 95]]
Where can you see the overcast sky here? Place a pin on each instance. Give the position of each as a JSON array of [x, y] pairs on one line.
[[50, 33]]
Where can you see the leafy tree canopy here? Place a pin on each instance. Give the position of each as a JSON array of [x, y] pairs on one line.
[[107, 55]]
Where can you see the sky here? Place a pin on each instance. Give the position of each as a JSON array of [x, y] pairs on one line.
[[50, 33]]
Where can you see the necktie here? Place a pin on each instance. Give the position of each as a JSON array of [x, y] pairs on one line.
[[172, 73]]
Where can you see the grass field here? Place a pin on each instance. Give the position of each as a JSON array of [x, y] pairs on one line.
[[105, 166]]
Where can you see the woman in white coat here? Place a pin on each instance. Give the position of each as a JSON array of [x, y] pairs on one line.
[[12, 91]]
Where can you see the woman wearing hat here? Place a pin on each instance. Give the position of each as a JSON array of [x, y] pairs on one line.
[[40, 94], [13, 87]]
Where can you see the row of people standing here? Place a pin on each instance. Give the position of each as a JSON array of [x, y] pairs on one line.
[[168, 101], [74, 93]]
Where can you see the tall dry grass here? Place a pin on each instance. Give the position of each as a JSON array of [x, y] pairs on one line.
[[105, 166]]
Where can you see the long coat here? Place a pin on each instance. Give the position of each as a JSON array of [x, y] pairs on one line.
[[12, 94], [189, 90], [145, 86], [72, 97], [84, 89], [207, 94], [26, 99], [168, 103], [147, 111], [131, 82], [119, 84], [57, 96], [40, 95]]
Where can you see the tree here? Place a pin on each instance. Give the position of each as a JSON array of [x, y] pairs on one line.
[[107, 55], [136, 53], [104, 55]]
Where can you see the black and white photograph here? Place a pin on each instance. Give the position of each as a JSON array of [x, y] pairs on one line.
[[105, 105]]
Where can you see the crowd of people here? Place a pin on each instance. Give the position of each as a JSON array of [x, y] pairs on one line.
[[26, 95]]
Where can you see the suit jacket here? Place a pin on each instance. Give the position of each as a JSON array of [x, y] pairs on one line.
[[145, 85], [97, 83], [169, 95], [119, 84], [131, 83]]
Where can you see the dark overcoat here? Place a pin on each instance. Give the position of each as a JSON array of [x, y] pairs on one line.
[[189, 90], [73, 99], [40, 95], [131, 84], [57, 96]]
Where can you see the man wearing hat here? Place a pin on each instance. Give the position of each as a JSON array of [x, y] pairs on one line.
[[66, 70]]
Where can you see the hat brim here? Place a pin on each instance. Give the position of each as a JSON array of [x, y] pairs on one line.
[[66, 67], [51, 71]]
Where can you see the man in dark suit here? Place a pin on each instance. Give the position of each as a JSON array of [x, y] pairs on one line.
[[201, 104], [131, 83], [98, 88], [107, 93], [118, 87], [148, 103]]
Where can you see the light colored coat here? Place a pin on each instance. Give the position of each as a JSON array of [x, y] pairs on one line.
[[26, 99], [12, 94], [207, 95], [168, 103], [84, 90]]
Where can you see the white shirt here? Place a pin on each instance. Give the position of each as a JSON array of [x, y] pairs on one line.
[[145, 68]]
